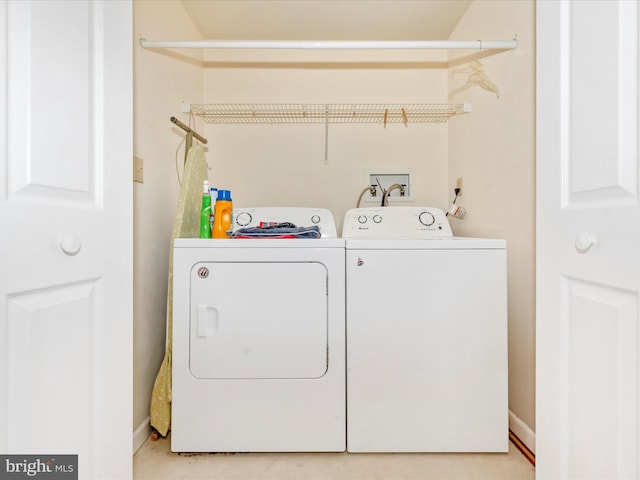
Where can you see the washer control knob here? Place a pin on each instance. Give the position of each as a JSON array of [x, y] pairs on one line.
[[315, 219], [377, 219], [362, 219], [243, 219], [427, 219]]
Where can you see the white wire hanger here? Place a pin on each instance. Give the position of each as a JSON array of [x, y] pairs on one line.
[[477, 77]]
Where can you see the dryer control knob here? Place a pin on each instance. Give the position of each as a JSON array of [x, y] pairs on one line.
[[362, 219], [377, 219], [243, 219], [427, 219], [315, 219]]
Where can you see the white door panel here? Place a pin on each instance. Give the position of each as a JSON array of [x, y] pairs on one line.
[[600, 80], [599, 366], [65, 190], [52, 56], [588, 260], [56, 324], [600, 85]]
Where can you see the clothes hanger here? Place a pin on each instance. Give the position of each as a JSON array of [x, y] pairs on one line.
[[477, 77]]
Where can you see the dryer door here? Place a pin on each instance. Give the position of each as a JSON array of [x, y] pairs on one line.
[[258, 320]]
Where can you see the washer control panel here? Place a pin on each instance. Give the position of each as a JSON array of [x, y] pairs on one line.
[[396, 222], [299, 216]]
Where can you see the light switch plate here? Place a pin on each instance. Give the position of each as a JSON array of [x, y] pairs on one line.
[[138, 170]]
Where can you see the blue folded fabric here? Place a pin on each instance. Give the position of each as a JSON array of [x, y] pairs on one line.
[[276, 231]]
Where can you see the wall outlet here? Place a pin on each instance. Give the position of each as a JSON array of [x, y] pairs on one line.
[[138, 170], [381, 180], [459, 184]]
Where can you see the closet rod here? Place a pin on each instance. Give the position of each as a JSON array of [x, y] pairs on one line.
[[188, 129], [334, 45]]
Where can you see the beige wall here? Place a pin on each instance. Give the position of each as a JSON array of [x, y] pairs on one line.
[[493, 150], [272, 165], [160, 83]]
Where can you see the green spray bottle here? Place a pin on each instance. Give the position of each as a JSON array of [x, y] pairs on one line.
[[205, 211]]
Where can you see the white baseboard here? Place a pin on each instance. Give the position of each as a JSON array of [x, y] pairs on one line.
[[141, 434], [522, 431], [516, 425]]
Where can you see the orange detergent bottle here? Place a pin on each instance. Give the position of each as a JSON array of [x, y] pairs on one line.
[[222, 215]]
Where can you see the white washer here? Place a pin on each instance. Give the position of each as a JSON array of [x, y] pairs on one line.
[[259, 339], [426, 335]]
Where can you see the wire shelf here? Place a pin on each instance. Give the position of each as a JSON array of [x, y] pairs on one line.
[[328, 113]]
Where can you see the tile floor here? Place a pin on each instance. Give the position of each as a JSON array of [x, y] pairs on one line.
[[154, 460]]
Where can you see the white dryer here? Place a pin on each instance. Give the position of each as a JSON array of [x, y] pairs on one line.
[[259, 339], [426, 335]]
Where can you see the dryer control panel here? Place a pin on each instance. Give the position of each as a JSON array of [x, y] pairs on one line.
[[396, 222], [299, 216]]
